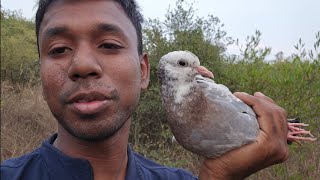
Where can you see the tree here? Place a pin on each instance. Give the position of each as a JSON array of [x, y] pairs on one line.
[[19, 56]]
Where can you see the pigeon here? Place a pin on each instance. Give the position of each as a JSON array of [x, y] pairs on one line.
[[205, 117]]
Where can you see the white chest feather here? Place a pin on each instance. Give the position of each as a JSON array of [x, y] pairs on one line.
[[182, 89]]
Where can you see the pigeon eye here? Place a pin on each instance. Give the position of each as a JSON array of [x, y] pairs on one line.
[[182, 63]]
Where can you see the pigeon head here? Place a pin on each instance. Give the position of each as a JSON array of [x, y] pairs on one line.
[[182, 66], [179, 65], [177, 71]]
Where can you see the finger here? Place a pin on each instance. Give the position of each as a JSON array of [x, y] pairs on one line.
[[264, 97], [270, 116], [256, 105], [252, 101], [280, 117]]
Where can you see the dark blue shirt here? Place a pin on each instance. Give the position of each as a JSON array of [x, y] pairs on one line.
[[47, 162]]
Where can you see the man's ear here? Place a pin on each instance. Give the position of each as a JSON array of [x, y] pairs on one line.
[[145, 71]]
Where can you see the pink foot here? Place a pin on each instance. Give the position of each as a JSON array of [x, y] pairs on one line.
[[297, 134]]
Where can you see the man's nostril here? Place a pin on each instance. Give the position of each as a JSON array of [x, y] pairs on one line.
[[77, 76], [92, 74]]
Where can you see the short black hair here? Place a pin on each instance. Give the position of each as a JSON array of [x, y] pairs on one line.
[[130, 7]]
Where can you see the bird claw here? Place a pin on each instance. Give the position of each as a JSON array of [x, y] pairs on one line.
[[296, 138], [300, 132], [296, 133], [299, 124]]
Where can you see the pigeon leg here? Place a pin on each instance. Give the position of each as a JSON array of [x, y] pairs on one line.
[[297, 134]]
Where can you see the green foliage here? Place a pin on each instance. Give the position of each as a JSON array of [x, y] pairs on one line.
[[19, 58], [293, 85], [314, 54], [252, 53]]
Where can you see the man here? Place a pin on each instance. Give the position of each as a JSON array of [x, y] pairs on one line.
[[92, 71]]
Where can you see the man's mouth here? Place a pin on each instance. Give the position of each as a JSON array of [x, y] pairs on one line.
[[89, 103]]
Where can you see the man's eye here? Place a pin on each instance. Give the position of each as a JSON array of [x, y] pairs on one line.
[[59, 50], [110, 46]]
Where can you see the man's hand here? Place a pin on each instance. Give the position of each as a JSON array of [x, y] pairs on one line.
[[270, 147]]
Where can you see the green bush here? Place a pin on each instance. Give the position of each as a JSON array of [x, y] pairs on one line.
[[19, 58]]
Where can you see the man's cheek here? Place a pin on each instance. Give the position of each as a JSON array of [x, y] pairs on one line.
[[51, 88]]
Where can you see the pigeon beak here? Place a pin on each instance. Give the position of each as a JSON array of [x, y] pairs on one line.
[[205, 72]]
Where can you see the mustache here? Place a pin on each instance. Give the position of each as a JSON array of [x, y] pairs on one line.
[[84, 87]]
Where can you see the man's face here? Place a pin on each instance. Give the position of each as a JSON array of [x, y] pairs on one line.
[[91, 71]]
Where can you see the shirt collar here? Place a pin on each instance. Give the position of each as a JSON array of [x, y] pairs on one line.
[[59, 164], [133, 169]]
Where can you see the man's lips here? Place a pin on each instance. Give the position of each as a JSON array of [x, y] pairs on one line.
[[89, 103], [91, 107]]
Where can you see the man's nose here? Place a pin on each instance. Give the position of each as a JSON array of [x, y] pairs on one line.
[[84, 65]]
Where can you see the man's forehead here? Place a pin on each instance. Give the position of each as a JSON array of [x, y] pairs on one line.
[[93, 6], [62, 13], [58, 6], [72, 2]]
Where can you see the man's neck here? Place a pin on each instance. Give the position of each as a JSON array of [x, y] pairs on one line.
[[108, 158]]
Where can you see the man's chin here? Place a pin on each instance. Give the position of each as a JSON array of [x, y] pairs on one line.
[[93, 133], [93, 137]]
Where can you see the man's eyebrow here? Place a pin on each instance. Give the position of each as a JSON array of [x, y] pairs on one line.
[[110, 28], [55, 31], [102, 27]]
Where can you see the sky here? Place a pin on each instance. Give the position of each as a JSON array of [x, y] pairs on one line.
[[281, 22]]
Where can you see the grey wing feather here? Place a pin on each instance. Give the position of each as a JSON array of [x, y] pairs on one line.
[[218, 92]]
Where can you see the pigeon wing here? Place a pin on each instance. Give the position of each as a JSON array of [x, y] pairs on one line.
[[220, 93], [229, 122]]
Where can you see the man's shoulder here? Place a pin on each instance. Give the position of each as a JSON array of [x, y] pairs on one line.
[[20, 161], [152, 169], [23, 166]]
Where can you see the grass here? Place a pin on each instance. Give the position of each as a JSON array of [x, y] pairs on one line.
[[25, 120]]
